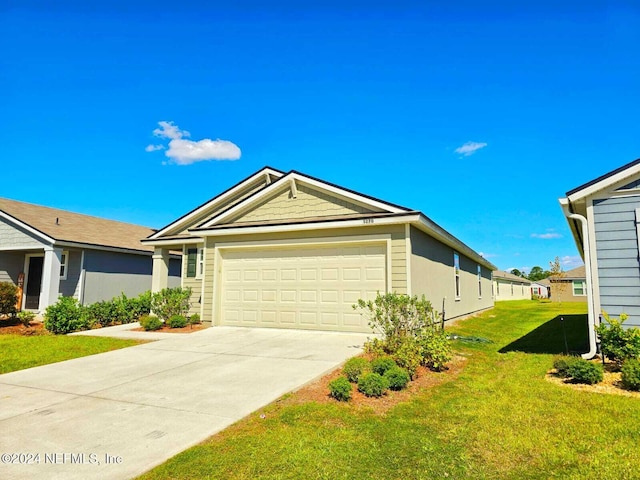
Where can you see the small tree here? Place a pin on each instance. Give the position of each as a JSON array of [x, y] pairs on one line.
[[557, 278], [8, 298]]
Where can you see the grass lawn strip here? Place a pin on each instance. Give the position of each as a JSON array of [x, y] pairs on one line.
[[18, 352], [499, 419]]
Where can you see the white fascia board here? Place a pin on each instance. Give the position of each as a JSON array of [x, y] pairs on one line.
[[175, 242], [103, 248], [182, 222], [440, 234], [42, 236], [395, 220], [619, 177], [565, 205], [296, 177]]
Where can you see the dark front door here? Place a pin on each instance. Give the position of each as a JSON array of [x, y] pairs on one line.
[[34, 280]]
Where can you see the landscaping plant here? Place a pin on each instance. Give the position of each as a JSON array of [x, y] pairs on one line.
[[65, 316], [177, 321], [397, 377], [340, 389], [631, 374], [617, 343], [354, 367], [26, 317], [584, 371], [372, 384], [150, 322], [194, 319], [8, 298], [381, 364], [436, 349], [171, 301], [562, 364]]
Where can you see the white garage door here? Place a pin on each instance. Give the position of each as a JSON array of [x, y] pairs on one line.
[[310, 288]]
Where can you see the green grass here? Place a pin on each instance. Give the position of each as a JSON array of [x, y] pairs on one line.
[[18, 352], [499, 419]]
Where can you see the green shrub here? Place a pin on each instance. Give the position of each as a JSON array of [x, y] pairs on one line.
[[381, 364], [375, 347], [340, 389], [617, 343], [26, 317], [631, 375], [398, 317], [354, 367], [372, 384], [171, 301], [150, 322], [104, 312], [409, 356], [584, 371], [562, 364], [436, 349], [65, 316], [8, 298], [177, 321], [194, 319], [397, 377]]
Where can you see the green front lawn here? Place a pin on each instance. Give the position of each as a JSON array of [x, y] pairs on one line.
[[499, 419], [18, 352]]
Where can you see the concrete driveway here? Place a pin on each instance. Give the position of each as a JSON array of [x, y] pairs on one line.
[[118, 414]]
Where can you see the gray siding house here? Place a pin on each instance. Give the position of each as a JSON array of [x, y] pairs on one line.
[[55, 252], [604, 217]]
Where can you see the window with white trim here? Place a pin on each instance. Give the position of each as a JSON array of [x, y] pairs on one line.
[[64, 265], [200, 263], [579, 288], [456, 268], [479, 281]]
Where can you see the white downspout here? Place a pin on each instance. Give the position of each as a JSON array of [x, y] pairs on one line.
[[587, 264]]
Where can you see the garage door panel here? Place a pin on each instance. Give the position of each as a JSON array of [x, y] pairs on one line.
[[309, 288]]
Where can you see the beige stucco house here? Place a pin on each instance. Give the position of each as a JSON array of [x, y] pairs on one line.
[[507, 286], [287, 250], [570, 286]]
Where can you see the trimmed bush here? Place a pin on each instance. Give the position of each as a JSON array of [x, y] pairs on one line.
[[171, 301], [409, 356], [617, 343], [8, 298], [584, 371], [194, 319], [562, 364], [372, 384], [397, 377], [177, 321], [26, 317], [104, 312], [631, 375], [150, 322], [65, 316], [436, 349], [340, 389], [375, 347], [382, 364], [354, 367]]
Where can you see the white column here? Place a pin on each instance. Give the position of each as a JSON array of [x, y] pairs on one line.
[[50, 286], [160, 273]]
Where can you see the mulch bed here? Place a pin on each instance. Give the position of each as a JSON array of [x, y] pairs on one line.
[[12, 326], [166, 329], [611, 384], [318, 391]]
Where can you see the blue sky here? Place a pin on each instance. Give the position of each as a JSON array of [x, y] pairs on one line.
[[479, 114]]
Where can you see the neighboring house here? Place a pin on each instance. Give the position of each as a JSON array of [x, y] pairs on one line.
[[541, 288], [604, 217], [57, 252], [287, 250], [507, 286], [570, 286]]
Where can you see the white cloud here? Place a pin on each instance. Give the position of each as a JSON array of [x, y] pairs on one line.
[[571, 261], [546, 236], [185, 152], [469, 148], [153, 148], [488, 255]]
